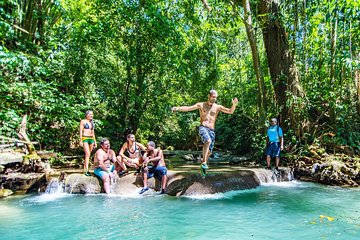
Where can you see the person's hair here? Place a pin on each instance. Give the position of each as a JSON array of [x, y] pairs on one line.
[[151, 143], [103, 140], [88, 112], [128, 136], [212, 92], [274, 120], [92, 120]]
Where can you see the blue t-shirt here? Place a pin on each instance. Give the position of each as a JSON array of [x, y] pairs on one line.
[[273, 134]]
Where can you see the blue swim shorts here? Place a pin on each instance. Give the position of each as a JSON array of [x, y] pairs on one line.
[[100, 172], [273, 149], [157, 172], [207, 134]]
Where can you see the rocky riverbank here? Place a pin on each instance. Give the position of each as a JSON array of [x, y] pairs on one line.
[[338, 170], [17, 177], [227, 173], [179, 183]]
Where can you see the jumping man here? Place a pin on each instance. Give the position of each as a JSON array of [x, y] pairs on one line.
[[208, 113]]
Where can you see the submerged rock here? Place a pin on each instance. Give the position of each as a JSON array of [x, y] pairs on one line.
[[5, 192]]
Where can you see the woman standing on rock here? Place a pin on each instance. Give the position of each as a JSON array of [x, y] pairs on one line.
[[87, 138]]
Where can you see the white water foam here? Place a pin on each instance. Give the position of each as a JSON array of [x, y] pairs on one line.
[[287, 184], [10, 212], [48, 197], [268, 176], [217, 196], [54, 191], [135, 194]]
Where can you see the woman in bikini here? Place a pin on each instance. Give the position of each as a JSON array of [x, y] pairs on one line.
[[130, 152], [87, 138]]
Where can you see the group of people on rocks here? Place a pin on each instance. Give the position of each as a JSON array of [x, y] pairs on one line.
[[107, 165]]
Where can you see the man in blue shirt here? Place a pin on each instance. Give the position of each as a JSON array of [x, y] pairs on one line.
[[275, 143]]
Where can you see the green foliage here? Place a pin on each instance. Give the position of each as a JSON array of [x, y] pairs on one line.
[[131, 61]]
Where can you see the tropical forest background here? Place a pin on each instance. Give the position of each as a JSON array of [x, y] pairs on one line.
[[130, 61]]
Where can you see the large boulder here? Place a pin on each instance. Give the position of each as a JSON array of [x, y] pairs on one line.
[[187, 183], [125, 185], [79, 183], [329, 170], [23, 182], [131, 184], [11, 159], [179, 183]]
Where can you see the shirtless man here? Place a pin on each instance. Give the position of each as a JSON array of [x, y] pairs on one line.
[[208, 113], [102, 163], [158, 168]]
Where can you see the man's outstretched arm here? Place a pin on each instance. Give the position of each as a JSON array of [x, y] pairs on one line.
[[230, 110], [187, 108]]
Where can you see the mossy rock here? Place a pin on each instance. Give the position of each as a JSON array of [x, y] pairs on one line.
[[5, 192], [30, 157]]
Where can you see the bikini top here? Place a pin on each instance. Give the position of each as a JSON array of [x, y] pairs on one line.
[[136, 149], [87, 126]]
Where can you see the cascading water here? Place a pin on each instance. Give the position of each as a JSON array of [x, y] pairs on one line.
[[273, 176], [55, 186]]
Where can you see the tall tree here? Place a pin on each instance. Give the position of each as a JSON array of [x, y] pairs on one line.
[[283, 70], [261, 95]]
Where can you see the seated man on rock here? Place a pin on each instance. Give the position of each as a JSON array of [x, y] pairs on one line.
[[158, 168], [102, 163]]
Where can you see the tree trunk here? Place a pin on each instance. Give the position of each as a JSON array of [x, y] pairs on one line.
[[284, 74], [261, 96], [40, 22], [304, 22], [333, 51], [357, 82], [23, 136], [332, 69], [137, 111]]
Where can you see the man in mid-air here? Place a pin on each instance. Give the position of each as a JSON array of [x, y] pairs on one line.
[[208, 113]]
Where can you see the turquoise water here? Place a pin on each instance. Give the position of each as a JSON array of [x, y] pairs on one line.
[[289, 210]]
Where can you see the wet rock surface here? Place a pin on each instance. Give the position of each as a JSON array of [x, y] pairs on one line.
[[5, 192], [179, 183], [11, 159], [79, 183], [329, 170], [23, 182], [193, 184]]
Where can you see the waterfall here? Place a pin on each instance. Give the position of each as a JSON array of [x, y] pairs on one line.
[[273, 176], [55, 186]]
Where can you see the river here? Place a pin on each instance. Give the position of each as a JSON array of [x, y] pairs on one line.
[[285, 210]]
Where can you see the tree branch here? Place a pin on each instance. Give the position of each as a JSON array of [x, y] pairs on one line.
[[206, 5]]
